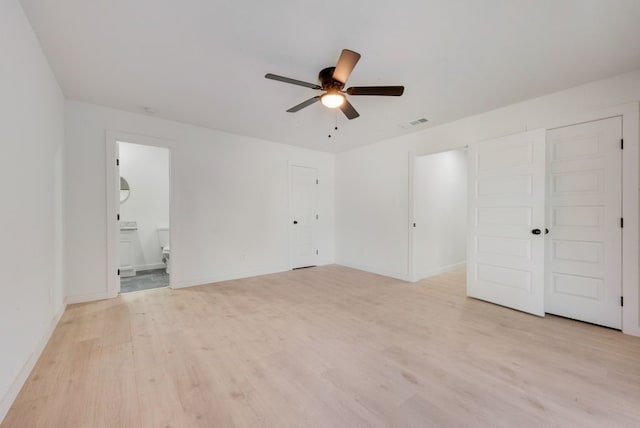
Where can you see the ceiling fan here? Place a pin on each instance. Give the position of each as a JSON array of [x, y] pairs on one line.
[[332, 81]]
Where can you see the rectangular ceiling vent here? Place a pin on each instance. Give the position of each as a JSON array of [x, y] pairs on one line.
[[418, 121], [413, 123]]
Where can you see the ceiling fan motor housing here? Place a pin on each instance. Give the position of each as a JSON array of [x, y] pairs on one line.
[[327, 81]]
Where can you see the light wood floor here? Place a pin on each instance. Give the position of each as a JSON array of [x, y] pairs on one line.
[[327, 347]]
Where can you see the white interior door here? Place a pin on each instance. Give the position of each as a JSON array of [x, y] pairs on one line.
[[304, 197], [506, 221], [584, 209]]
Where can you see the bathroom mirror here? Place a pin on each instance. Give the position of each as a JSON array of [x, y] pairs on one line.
[[125, 191]]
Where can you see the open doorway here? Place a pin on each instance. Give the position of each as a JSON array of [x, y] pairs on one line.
[[144, 251], [439, 216]]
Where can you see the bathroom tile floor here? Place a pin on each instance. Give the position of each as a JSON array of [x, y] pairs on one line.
[[145, 280]]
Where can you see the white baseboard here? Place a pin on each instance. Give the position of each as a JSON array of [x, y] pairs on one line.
[[193, 282], [439, 270], [18, 382], [397, 275], [83, 298]]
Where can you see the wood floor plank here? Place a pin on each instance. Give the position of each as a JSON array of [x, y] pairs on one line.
[[327, 346]]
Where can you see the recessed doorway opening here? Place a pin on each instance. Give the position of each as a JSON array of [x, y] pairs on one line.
[[139, 237], [438, 224], [143, 232]]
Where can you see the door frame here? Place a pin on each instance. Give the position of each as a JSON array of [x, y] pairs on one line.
[[113, 202], [290, 166], [411, 265], [630, 114]]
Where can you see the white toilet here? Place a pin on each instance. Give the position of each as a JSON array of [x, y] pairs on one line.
[[163, 237]]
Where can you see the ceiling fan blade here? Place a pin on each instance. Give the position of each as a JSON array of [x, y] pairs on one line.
[[392, 91], [348, 110], [292, 81], [304, 104], [347, 61]]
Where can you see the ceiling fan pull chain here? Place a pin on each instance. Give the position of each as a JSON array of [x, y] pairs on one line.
[[336, 124]]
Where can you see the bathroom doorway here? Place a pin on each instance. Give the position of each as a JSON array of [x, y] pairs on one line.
[[143, 220]]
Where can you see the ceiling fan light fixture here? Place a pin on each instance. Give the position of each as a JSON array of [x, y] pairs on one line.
[[332, 81], [332, 99]]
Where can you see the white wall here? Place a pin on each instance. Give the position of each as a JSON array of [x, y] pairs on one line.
[[32, 135], [372, 181], [229, 200], [372, 214], [440, 212], [146, 169]]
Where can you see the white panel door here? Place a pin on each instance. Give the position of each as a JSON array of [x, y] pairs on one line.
[[304, 197], [505, 262], [584, 198]]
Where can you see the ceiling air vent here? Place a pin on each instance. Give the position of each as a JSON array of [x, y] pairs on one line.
[[413, 123], [418, 121]]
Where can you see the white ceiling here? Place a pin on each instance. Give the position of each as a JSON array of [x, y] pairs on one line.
[[203, 62]]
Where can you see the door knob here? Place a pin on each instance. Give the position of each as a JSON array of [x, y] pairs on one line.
[[295, 221], [536, 231]]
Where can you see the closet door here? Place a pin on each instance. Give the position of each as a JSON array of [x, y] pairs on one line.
[[584, 248], [304, 209], [507, 221]]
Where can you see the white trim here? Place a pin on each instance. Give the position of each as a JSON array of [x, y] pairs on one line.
[[440, 270], [371, 269], [289, 219], [631, 211], [113, 207], [233, 276], [113, 282], [411, 274], [21, 378], [195, 282], [83, 298], [411, 263]]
